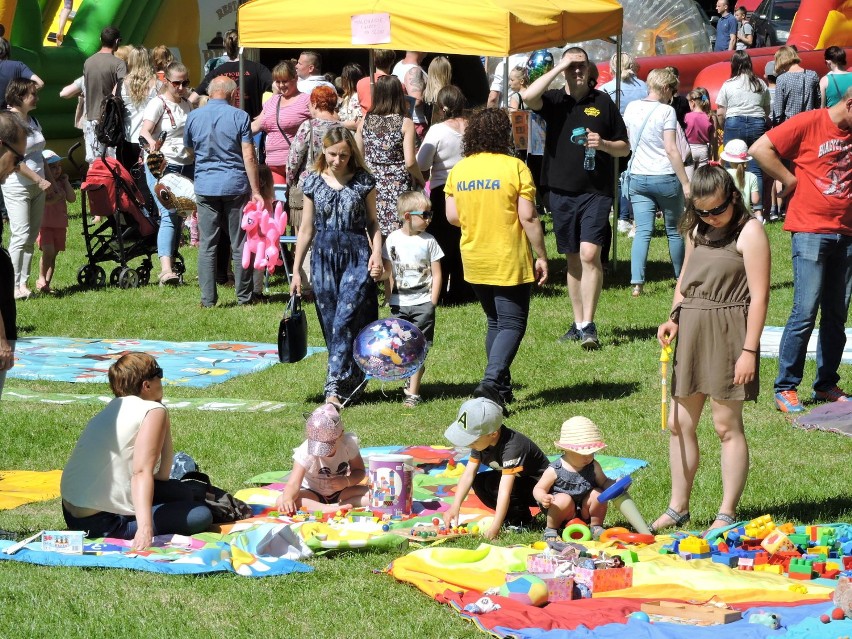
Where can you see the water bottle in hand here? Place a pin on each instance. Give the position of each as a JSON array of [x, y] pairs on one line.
[[589, 159]]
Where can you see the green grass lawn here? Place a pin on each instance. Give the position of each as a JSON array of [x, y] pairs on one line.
[[796, 476]]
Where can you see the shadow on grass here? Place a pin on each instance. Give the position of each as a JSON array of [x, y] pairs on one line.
[[585, 392], [777, 286], [829, 509], [378, 393], [634, 334]]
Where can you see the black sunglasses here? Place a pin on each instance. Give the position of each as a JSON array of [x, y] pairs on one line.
[[718, 210], [158, 372], [426, 215], [18, 157], [177, 84]]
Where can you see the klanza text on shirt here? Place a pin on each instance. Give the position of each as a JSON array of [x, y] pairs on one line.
[[478, 185]]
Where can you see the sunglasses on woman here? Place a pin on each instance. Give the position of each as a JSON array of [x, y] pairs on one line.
[[179, 84], [718, 210], [18, 157], [426, 215], [158, 372]]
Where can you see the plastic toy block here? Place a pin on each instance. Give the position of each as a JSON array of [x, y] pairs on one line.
[[725, 558], [775, 570], [812, 556], [746, 563], [627, 556], [733, 536], [752, 543], [776, 541], [697, 555], [721, 546], [800, 539], [847, 563], [787, 528], [832, 565], [831, 574], [694, 545], [760, 527], [819, 567], [819, 550], [800, 568], [761, 558]]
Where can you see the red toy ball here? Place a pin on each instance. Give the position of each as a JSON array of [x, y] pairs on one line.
[[837, 614], [824, 618]]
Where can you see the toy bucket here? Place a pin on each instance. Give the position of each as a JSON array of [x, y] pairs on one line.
[[390, 484]]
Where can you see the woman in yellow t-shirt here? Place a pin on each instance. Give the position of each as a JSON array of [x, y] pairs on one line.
[[490, 195]]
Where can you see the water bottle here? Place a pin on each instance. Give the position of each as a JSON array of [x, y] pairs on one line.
[[589, 159]]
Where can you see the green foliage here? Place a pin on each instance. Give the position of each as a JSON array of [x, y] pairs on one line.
[[795, 475]]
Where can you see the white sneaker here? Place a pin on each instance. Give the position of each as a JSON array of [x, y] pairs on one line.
[[624, 226], [632, 232]]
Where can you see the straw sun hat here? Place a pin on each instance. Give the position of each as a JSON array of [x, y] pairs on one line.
[[735, 151], [581, 435]]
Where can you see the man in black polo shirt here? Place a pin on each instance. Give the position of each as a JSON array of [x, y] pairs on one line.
[[580, 199]]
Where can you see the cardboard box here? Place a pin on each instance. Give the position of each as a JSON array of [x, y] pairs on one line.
[[690, 613], [604, 580], [68, 542]]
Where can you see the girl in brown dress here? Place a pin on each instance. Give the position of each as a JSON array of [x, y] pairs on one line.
[[717, 316]]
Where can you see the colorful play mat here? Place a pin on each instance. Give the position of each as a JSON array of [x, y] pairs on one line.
[[192, 364]]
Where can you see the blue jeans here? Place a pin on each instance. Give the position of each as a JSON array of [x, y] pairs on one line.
[[822, 281], [507, 309], [647, 194], [174, 511], [169, 222], [748, 130]]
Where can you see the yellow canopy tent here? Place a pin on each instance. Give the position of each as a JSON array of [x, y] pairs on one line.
[[474, 27]]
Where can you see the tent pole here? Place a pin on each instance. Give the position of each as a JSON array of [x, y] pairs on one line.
[[505, 87], [242, 82], [616, 200]]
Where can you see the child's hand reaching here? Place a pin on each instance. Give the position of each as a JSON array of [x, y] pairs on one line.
[[546, 500], [286, 503]]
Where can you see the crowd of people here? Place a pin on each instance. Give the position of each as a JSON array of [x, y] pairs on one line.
[[353, 155]]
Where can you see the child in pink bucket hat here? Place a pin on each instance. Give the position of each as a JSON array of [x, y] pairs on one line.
[[327, 467], [570, 486]]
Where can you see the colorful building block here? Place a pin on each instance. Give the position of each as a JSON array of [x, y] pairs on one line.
[[760, 527], [775, 570], [800, 568], [725, 558], [777, 541], [694, 545]]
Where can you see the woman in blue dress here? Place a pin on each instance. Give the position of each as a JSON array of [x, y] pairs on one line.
[[339, 220]]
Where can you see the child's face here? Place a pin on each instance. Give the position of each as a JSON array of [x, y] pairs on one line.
[[515, 80], [578, 460], [56, 170], [484, 442], [419, 220]]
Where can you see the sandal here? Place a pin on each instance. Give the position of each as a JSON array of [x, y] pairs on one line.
[[678, 519], [411, 400], [637, 290], [168, 278], [718, 531]]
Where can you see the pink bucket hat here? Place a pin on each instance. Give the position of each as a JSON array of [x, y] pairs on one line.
[[323, 429], [581, 435]]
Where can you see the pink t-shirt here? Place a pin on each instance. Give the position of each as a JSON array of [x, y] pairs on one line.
[[365, 96], [56, 214], [699, 127], [290, 116]]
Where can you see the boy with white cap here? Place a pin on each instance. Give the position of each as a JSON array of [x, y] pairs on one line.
[[479, 426], [571, 485]]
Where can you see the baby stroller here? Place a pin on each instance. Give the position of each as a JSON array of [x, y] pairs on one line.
[[126, 231]]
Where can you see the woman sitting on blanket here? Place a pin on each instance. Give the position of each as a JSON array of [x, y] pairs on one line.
[[116, 483], [327, 467]]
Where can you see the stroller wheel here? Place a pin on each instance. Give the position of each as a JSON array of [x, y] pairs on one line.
[[178, 266], [91, 275], [114, 274], [144, 274], [128, 278]]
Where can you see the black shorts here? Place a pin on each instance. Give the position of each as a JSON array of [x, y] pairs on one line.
[[421, 315], [579, 217], [333, 498]]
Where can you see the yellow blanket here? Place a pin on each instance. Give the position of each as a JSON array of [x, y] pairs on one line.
[[19, 487]]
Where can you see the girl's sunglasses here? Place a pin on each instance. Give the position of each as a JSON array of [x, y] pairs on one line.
[[716, 210], [158, 372]]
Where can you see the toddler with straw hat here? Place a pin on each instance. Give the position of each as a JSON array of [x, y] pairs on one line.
[[570, 486]]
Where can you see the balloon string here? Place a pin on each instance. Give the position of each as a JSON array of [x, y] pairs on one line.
[[355, 392]]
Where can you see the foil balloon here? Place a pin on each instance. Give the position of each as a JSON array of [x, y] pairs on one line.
[[390, 349], [540, 62]]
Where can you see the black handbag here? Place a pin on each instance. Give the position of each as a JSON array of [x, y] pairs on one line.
[[293, 333]]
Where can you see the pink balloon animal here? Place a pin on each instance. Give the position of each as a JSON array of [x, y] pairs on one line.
[[263, 232]]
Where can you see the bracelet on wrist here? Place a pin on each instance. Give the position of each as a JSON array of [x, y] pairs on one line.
[[749, 350]]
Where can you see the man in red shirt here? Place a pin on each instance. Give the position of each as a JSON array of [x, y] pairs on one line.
[[383, 60], [819, 215]]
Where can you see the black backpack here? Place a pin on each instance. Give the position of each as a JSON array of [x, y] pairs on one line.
[[110, 127]]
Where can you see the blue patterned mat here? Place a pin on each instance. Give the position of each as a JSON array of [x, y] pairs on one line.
[[193, 364]]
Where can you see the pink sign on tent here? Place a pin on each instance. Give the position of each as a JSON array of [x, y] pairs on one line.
[[371, 28]]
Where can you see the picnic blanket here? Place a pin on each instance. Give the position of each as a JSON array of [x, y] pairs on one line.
[[192, 364], [835, 417], [254, 550], [18, 487], [193, 403], [770, 341], [458, 576]]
